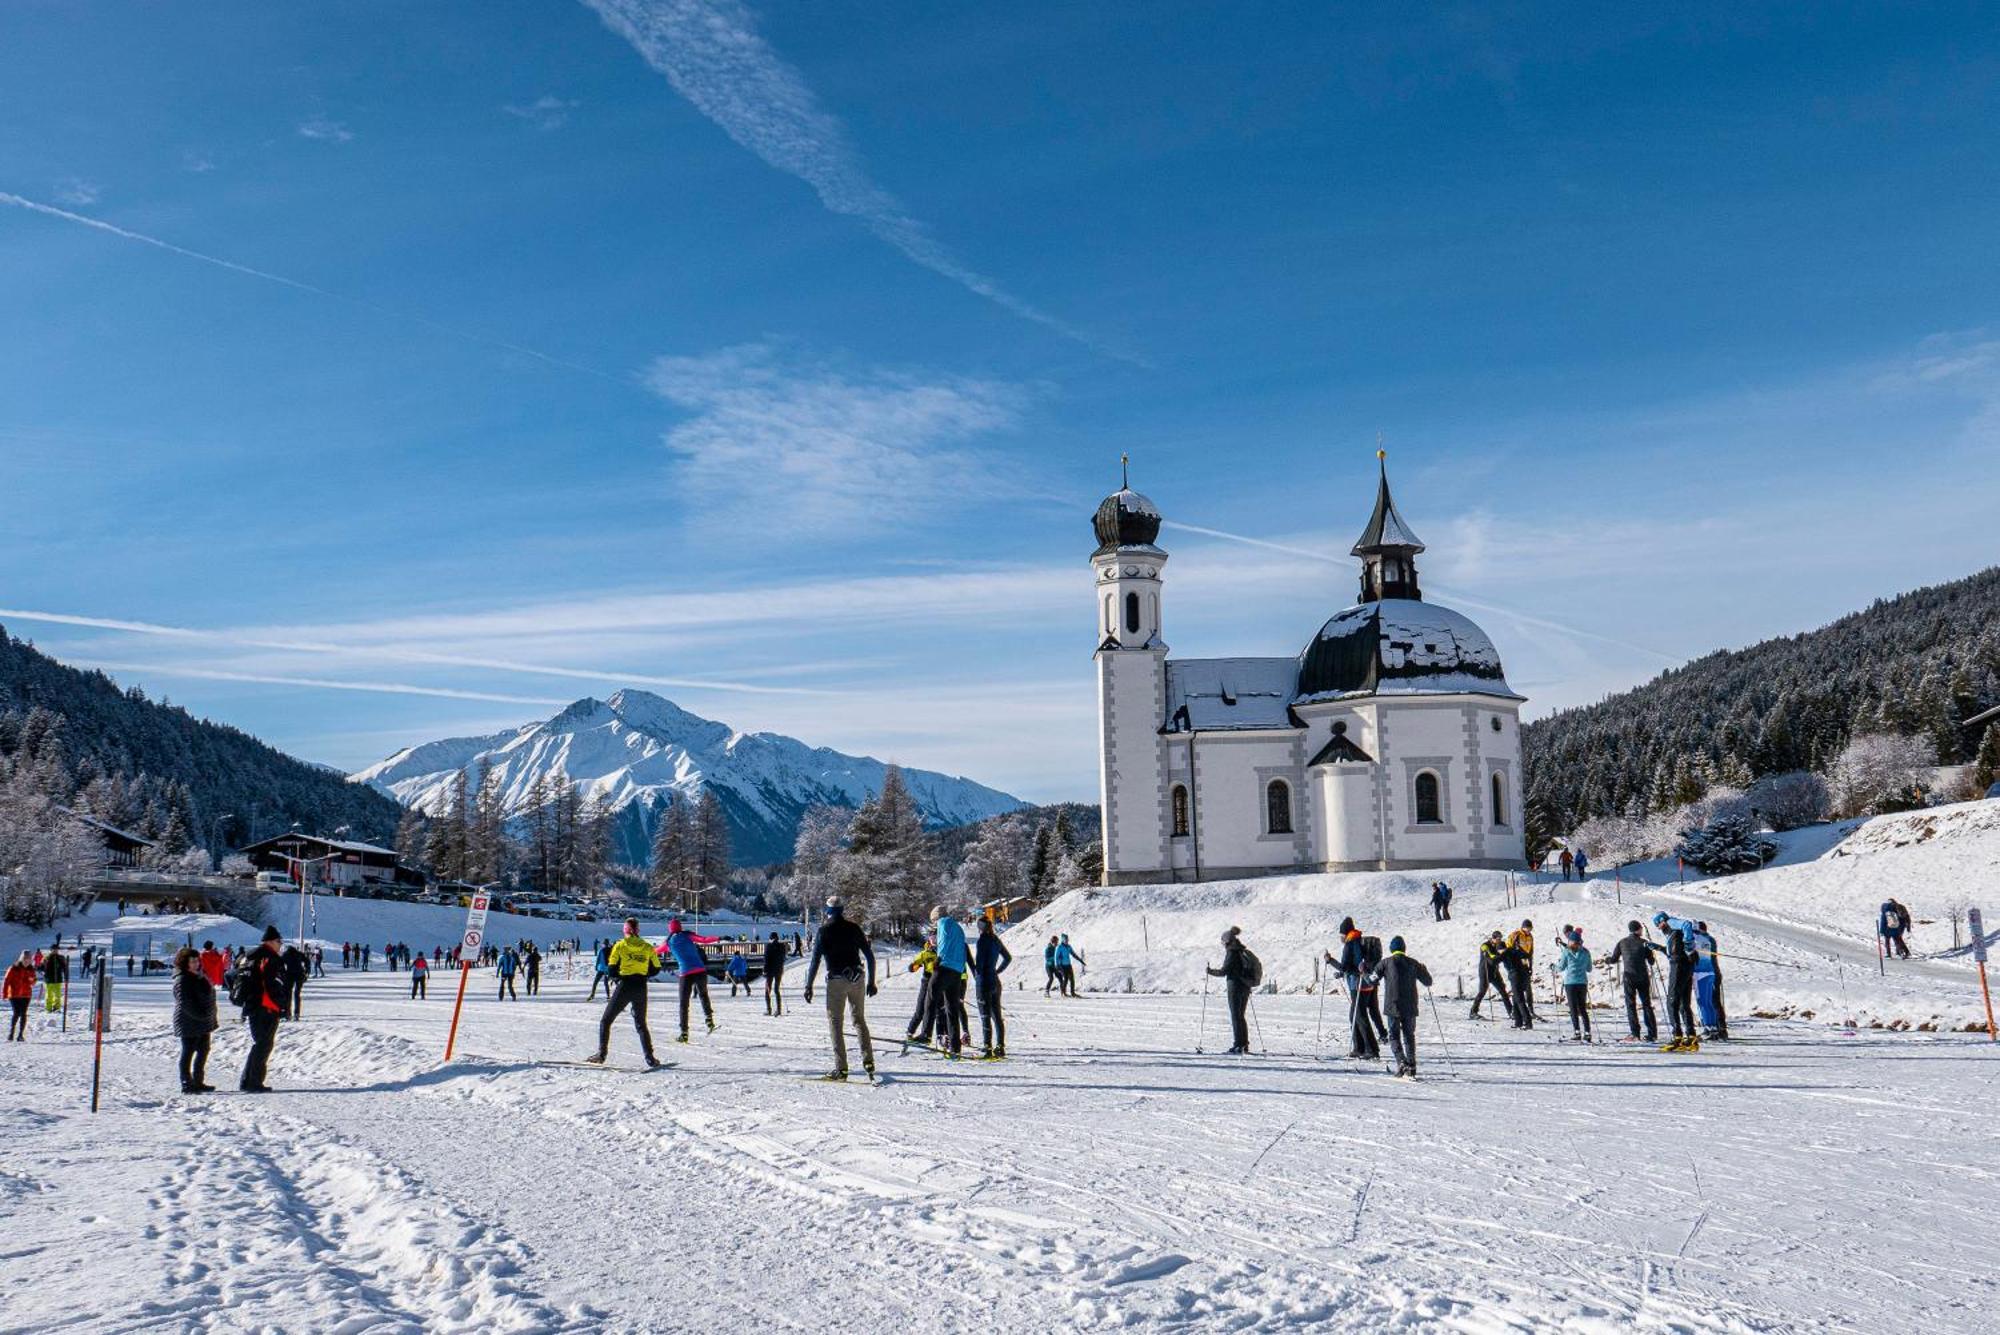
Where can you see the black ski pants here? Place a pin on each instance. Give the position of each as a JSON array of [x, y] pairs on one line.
[[1489, 977], [17, 1023], [420, 985], [507, 988], [774, 992], [992, 1025], [1638, 1001], [1403, 1041], [628, 991], [1239, 1016], [923, 1020], [1068, 972], [1578, 996], [1680, 1003], [194, 1060], [695, 984], [948, 987], [263, 1037], [1524, 997], [1362, 1040], [534, 982], [297, 999]]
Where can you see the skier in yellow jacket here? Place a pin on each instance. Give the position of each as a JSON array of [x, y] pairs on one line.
[[633, 963]]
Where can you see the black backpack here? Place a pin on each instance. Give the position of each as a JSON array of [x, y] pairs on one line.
[[1371, 952], [242, 990], [1253, 968]]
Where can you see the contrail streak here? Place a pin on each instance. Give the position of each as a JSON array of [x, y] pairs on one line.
[[396, 655], [1525, 618], [98, 224], [381, 687]]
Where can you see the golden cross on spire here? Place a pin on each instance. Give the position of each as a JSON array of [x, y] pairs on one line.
[[1380, 453]]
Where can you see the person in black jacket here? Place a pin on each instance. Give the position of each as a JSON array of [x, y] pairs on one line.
[[55, 976], [265, 994], [1633, 956], [1237, 972], [843, 947], [1490, 951], [194, 1020], [1518, 957], [1398, 976], [990, 958], [774, 976], [298, 967]]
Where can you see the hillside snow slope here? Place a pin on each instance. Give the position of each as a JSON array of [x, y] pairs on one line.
[[1796, 940]]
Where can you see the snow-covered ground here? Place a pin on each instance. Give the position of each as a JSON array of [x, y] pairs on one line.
[[1107, 1176]]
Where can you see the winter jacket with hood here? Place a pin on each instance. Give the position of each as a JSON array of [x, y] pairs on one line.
[[950, 944], [1398, 976], [1235, 964], [194, 1005], [19, 984], [1573, 964], [685, 946]]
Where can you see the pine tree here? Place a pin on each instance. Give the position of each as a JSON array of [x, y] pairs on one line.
[[710, 840], [412, 838], [1041, 861], [1986, 766], [448, 837], [484, 853], [673, 841]]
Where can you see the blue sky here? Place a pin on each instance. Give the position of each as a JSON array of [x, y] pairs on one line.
[[451, 361]]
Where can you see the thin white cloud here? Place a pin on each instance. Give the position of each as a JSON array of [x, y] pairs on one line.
[[713, 55], [325, 130], [547, 112], [78, 192], [355, 649], [98, 224], [821, 449], [315, 683], [195, 161]]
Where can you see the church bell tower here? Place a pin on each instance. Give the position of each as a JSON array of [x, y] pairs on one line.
[[1131, 684]]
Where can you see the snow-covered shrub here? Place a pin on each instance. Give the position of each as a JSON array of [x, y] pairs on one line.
[[238, 865], [1789, 801], [1881, 772], [1726, 844], [1613, 841]]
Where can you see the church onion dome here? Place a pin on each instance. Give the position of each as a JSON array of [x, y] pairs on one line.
[[1399, 646], [1126, 519]]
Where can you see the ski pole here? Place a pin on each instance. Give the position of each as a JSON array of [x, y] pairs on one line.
[[1251, 1006], [1319, 1024], [1202, 1036], [1439, 1021]]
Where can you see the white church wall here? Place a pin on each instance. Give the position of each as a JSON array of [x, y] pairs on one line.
[[1133, 786], [1232, 772]]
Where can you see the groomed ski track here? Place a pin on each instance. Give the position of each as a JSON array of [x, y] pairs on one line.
[[1099, 1179]]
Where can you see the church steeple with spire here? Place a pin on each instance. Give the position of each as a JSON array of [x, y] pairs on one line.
[[1387, 548]]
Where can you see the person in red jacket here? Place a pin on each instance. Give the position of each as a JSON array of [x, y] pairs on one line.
[[266, 996], [17, 988], [214, 964]]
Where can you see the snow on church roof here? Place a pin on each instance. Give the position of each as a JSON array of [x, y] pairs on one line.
[[1400, 646], [1229, 694]]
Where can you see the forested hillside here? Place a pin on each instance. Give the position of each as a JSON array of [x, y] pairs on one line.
[[1915, 666], [160, 771]]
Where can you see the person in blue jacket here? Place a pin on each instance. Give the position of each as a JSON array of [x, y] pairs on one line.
[[505, 967], [1067, 958], [1573, 966], [1582, 865], [1680, 982], [739, 973], [990, 959], [603, 975], [1708, 984], [692, 966], [948, 981]]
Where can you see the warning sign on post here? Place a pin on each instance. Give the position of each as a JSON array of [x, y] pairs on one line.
[[475, 928]]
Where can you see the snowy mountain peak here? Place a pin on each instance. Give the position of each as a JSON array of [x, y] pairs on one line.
[[637, 752]]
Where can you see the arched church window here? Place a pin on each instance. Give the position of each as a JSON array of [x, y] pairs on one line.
[[1499, 798], [1278, 806], [1131, 614], [1180, 811], [1110, 625], [1429, 807]]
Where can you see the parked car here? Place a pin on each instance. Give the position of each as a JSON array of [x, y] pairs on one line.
[[276, 881]]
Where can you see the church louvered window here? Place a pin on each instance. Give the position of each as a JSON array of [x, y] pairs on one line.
[[1499, 798], [1180, 811], [1278, 801], [1131, 614]]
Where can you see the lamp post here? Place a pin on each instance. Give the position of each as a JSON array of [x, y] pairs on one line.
[[215, 837]]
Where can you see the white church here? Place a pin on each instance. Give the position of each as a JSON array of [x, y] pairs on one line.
[[1392, 741]]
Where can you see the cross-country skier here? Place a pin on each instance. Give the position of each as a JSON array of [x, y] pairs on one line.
[[1241, 973], [1353, 965], [1715, 994], [739, 972], [843, 947], [1633, 958], [774, 976], [1049, 963], [420, 979], [1573, 967], [685, 946], [989, 960], [1397, 976], [1490, 951], [632, 961], [531, 967], [948, 983], [601, 972], [1519, 958], [1067, 958], [1707, 982], [1680, 983], [504, 969], [923, 1020]]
